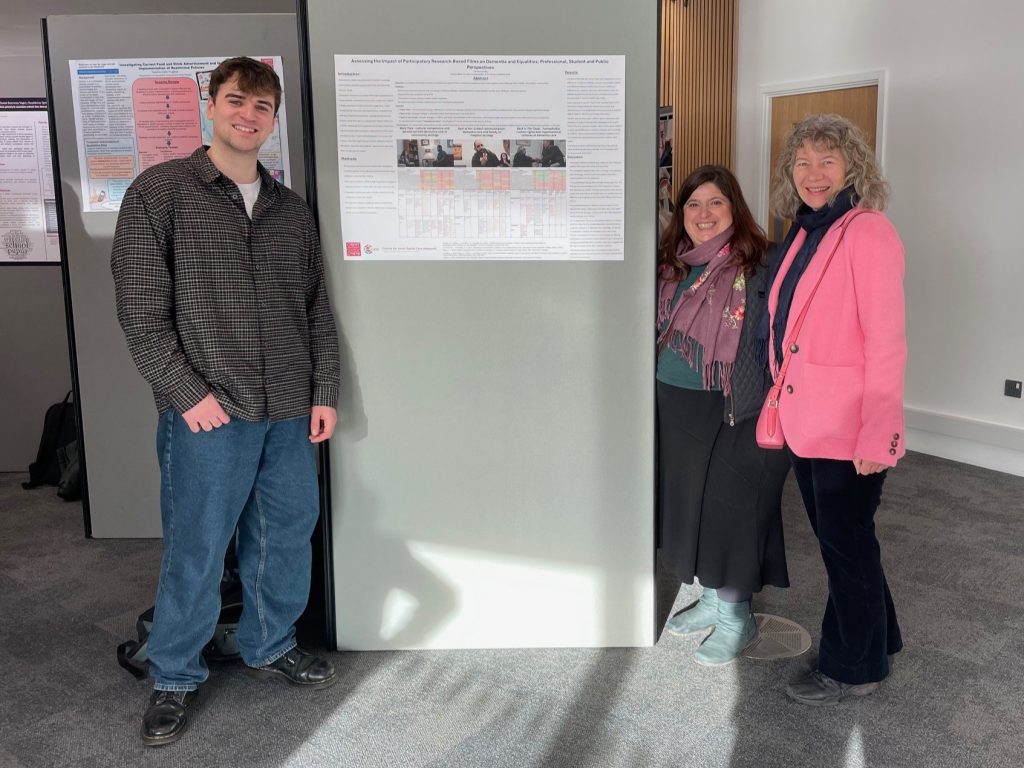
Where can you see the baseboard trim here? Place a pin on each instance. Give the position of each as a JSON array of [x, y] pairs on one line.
[[971, 441]]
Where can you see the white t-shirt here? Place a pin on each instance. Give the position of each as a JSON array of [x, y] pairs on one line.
[[250, 192]]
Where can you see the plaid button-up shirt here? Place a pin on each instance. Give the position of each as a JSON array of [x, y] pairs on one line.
[[211, 301]]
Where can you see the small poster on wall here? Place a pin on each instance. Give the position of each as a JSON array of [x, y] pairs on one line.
[[28, 210], [664, 168], [131, 114]]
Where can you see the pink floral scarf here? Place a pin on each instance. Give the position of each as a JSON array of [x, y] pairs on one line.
[[709, 314]]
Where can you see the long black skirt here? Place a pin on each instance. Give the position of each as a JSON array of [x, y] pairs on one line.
[[720, 516]]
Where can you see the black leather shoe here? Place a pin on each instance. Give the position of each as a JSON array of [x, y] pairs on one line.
[[166, 717], [298, 668]]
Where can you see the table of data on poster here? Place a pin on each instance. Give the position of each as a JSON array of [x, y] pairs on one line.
[[486, 204]]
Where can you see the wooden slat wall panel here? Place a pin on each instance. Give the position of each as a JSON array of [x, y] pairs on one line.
[[698, 80]]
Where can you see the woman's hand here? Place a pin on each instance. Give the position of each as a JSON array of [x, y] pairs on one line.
[[865, 467]]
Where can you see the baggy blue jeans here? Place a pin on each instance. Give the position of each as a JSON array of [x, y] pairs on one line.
[[258, 477]]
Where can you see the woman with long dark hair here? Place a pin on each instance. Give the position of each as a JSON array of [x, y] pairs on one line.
[[719, 493]]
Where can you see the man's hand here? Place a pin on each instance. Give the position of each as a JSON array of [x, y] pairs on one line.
[[206, 415], [321, 423], [865, 467]]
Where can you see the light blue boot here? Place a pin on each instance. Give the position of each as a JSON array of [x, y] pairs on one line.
[[735, 627], [699, 616]]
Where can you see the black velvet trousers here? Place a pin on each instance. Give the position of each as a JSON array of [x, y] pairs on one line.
[[859, 631]]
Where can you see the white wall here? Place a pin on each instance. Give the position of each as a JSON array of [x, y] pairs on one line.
[[952, 150]]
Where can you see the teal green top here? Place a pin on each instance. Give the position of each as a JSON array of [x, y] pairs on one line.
[[672, 367]]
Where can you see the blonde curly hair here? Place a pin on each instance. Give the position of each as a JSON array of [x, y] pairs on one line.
[[829, 132]]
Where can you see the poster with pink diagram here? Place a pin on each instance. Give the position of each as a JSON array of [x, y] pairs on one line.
[[167, 124], [132, 114]]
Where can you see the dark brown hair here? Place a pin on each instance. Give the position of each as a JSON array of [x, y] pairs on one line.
[[749, 243], [254, 77]]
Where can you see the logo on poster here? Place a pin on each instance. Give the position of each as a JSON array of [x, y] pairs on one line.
[[367, 249], [353, 249], [17, 244]]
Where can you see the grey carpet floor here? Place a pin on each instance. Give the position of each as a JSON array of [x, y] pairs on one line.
[[953, 544]]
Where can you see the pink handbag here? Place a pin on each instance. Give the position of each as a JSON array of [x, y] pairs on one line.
[[768, 431]]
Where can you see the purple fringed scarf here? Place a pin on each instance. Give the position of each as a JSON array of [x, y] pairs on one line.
[[708, 314]]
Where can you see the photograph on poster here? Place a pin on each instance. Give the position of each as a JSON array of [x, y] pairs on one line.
[[539, 153], [484, 173], [408, 153], [131, 114], [203, 81], [28, 209], [430, 153], [484, 155]]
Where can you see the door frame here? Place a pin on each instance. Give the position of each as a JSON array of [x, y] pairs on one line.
[[771, 91]]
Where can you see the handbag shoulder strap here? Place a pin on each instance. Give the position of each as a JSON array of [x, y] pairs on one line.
[[788, 344]]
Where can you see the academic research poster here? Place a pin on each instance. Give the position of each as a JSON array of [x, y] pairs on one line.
[[28, 209], [131, 114], [481, 157]]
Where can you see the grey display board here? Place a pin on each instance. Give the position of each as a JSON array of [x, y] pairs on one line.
[[492, 477], [118, 415]]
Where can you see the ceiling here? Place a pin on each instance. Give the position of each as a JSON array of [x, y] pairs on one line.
[[19, 19]]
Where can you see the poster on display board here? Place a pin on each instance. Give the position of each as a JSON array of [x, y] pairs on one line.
[[28, 209], [665, 191], [131, 114], [481, 157]]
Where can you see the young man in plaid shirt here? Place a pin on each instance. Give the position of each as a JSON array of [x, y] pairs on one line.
[[220, 292]]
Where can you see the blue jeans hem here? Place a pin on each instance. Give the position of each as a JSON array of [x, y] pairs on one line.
[[175, 687], [274, 657]]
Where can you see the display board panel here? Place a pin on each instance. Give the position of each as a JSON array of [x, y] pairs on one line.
[[492, 477], [117, 411]]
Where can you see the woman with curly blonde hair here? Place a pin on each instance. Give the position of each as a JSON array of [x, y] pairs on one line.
[[841, 406]]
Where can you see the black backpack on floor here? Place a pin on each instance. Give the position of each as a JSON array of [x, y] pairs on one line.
[[59, 430], [69, 487], [133, 654]]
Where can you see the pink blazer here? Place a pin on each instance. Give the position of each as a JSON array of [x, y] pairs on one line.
[[843, 394]]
